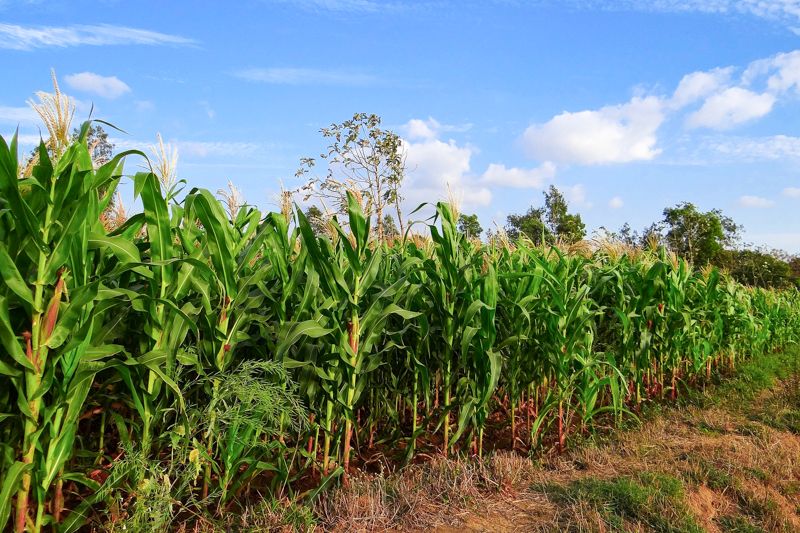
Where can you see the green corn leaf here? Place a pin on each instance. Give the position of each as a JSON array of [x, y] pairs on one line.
[[13, 476], [123, 249], [12, 277]]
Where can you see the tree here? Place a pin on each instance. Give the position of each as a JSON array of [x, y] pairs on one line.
[[100, 148], [389, 228], [794, 265], [564, 225], [531, 225], [317, 220], [364, 159], [469, 225], [758, 268], [549, 223], [698, 236]]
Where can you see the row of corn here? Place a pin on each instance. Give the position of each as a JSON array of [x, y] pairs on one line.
[[342, 347]]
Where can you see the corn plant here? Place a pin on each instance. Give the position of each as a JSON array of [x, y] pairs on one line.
[[50, 316]]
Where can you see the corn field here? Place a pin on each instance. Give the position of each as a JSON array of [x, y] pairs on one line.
[[261, 357]]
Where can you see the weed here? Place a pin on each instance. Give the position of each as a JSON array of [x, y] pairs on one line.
[[737, 524], [652, 500]]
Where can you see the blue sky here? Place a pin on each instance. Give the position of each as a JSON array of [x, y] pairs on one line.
[[628, 106]]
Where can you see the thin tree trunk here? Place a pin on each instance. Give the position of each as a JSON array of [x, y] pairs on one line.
[[399, 214]]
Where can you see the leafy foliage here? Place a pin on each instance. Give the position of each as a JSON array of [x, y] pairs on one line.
[[548, 224]]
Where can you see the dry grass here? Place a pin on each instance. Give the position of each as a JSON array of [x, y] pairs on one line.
[[442, 493]]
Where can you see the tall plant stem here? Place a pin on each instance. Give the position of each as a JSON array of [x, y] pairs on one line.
[[447, 407], [348, 425], [326, 457], [37, 355]]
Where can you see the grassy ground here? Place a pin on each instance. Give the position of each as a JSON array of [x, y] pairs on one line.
[[727, 460]]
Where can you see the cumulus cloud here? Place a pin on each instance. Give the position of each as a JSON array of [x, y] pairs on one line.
[[729, 108], [612, 134], [792, 192], [575, 194], [433, 163], [417, 129], [421, 129], [784, 70], [16, 37], [698, 85], [437, 163], [753, 201], [616, 203], [712, 99], [106, 86], [519, 177]]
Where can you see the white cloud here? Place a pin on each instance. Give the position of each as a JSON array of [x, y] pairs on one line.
[[15, 115], [435, 164], [753, 201], [731, 107], [613, 134], [616, 203], [698, 85], [16, 37], [106, 86], [519, 177], [416, 129], [422, 129], [753, 149], [307, 76], [25, 140], [780, 10], [575, 194], [792, 192], [785, 69]]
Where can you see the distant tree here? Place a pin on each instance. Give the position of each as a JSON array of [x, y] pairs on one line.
[[794, 265], [698, 236], [624, 234], [758, 268], [530, 225], [316, 219], [549, 223], [563, 224], [361, 157], [389, 228], [100, 148], [469, 226]]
